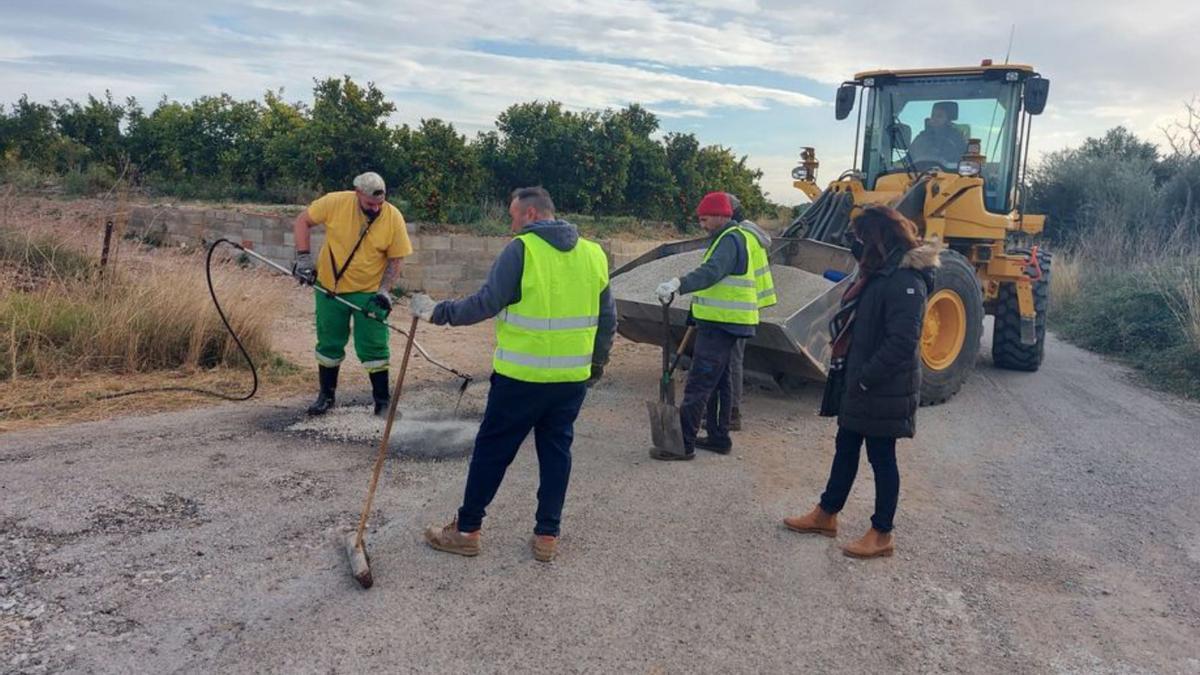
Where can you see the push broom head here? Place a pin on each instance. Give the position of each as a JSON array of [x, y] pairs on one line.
[[360, 562]]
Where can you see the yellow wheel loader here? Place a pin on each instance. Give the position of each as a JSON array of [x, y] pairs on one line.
[[949, 148]]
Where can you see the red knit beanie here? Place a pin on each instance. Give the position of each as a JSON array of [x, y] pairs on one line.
[[715, 204]]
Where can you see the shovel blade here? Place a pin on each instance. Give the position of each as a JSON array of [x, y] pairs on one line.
[[665, 431]]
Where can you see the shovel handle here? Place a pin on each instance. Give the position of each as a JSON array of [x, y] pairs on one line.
[[687, 336]]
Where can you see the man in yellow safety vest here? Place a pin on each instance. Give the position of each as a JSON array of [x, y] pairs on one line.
[[555, 320], [728, 289]]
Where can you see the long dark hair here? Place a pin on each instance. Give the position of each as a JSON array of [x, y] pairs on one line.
[[882, 230]]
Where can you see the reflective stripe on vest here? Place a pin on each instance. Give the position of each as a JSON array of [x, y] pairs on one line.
[[534, 323], [551, 362], [763, 281], [733, 299], [548, 335]]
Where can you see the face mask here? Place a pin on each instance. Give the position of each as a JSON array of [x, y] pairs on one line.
[[371, 214], [856, 249]]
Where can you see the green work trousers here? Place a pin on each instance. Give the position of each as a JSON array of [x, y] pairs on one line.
[[333, 331]]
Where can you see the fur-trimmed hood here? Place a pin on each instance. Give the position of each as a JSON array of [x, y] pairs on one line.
[[924, 260], [922, 257]]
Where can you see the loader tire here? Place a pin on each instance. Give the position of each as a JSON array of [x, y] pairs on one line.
[[952, 330], [1007, 351]]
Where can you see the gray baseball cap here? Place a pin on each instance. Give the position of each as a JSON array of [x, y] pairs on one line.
[[370, 183]]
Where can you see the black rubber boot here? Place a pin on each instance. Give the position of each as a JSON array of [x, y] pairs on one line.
[[328, 378], [379, 391], [719, 446]]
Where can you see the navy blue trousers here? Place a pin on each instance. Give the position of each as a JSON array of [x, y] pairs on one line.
[[514, 408], [881, 453], [708, 394]]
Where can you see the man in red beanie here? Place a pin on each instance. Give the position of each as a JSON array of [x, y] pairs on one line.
[[724, 307]]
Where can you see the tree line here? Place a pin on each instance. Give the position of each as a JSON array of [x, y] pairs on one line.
[[609, 162], [1122, 186]]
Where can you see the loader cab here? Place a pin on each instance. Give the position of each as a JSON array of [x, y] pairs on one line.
[[917, 121]]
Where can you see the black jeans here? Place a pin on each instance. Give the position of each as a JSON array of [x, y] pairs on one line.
[[881, 453], [514, 408], [708, 375]]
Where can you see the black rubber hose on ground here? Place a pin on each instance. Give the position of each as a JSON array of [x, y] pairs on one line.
[[212, 292]]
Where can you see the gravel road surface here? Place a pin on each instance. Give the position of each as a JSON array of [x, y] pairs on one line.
[[1048, 522]]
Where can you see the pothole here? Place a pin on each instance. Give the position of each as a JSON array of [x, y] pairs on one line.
[[417, 434]]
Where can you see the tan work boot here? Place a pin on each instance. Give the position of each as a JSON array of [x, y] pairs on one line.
[[815, 522], [449, 540], [545, 547], [874, 544]]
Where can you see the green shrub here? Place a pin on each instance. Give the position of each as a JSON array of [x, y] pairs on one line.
[[1135, 316], [25, 177], [95, 179]]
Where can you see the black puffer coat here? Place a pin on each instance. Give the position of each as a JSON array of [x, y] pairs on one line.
[[883, 366]]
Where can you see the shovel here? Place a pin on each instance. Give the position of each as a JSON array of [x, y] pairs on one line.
[[665, 431]]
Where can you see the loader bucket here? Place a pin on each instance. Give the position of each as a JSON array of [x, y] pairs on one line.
[[792, 341]]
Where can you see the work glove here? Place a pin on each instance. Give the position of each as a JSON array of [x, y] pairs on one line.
[[422, 306], [382, 305], [303, 269], [666, 290], [597, 373]]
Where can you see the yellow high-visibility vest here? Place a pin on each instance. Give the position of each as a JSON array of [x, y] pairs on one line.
[[548, 335], [735, 298]]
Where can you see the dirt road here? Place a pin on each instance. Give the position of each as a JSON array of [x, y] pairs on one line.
[[1048, 523]]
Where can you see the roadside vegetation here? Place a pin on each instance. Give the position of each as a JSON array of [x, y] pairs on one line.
[[1125, 219], [68, 325], [600, 164]]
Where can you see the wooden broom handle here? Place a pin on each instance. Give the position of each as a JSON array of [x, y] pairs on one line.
[[387, 432]]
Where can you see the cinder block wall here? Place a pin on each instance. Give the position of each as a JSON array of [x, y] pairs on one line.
[[442, 265]]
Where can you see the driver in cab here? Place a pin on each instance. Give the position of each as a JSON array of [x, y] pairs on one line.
[[940, 141]]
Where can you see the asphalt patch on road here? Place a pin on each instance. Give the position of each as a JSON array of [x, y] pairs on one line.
[[418, 433]]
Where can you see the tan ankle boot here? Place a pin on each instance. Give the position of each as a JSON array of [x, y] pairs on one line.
[[449, 540], [544, 546], [873, 544], [815, 521]]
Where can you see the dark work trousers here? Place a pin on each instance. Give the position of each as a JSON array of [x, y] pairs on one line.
[[881, 453], [719, 410], [708, 375], [514, 408]]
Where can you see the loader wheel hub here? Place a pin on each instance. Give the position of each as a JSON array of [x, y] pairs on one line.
[[944, 331]]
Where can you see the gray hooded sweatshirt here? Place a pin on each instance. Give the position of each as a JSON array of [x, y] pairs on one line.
[[503, 287]]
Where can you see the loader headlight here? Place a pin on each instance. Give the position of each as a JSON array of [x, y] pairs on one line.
[[968, 168], [798, 173]]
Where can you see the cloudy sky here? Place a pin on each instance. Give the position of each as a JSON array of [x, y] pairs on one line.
[[755, 75]]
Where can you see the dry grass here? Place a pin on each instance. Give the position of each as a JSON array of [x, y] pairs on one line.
[[1179, 284], [158, 317], [69, 336], [1066, 280], [1136, 297]]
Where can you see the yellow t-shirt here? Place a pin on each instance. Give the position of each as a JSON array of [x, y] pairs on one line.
[[343, 220]]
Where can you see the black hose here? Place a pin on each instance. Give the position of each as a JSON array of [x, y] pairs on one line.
[[466, 379], [212, 292]]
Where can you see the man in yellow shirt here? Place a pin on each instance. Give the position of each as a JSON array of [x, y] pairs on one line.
[[366, 239]]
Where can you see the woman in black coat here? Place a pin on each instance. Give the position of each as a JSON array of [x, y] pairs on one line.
[[875, 374]]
